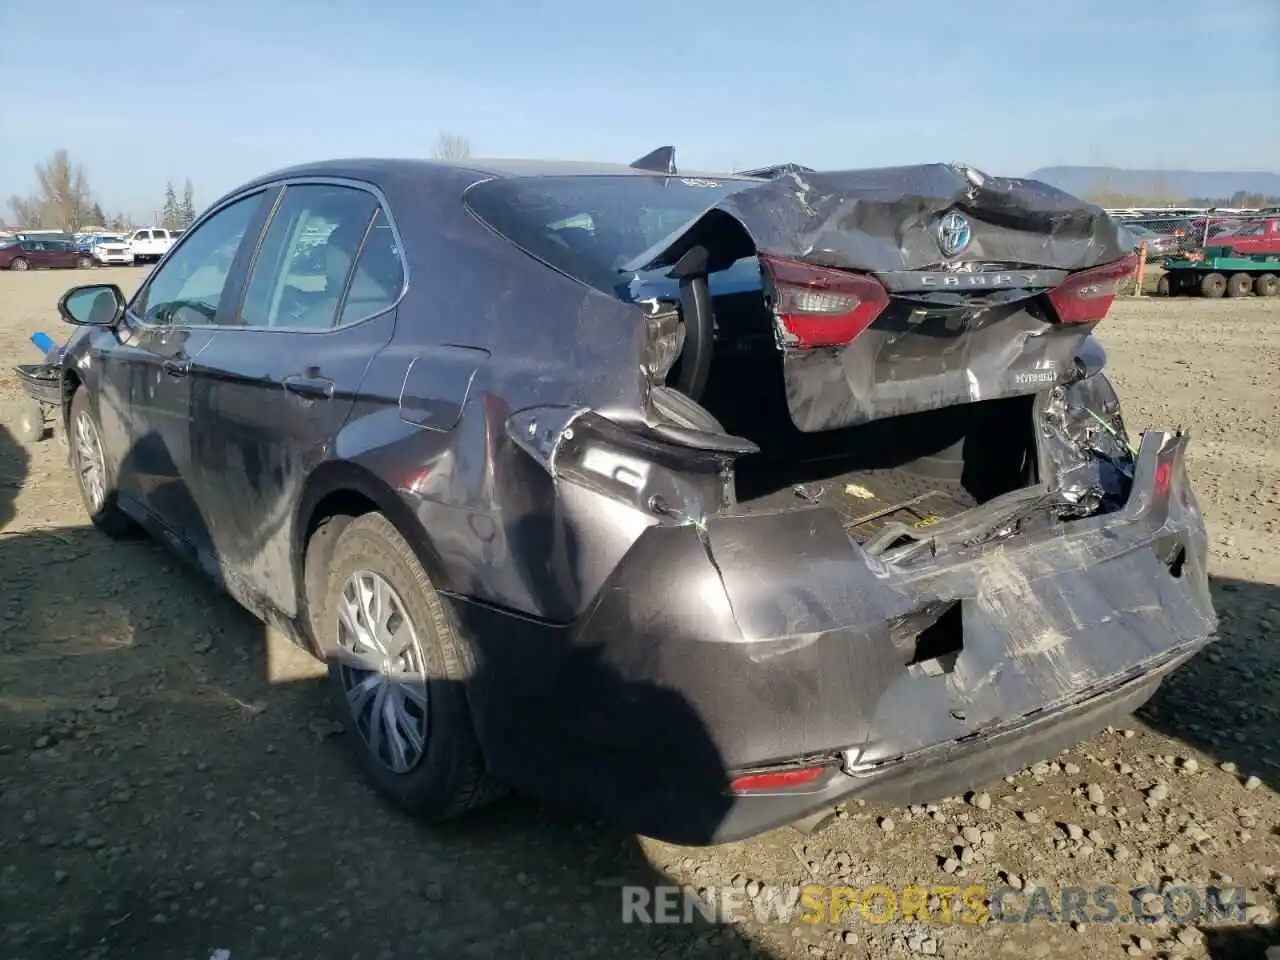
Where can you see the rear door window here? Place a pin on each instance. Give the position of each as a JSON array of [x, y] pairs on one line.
[[379, 274], [306, 257]]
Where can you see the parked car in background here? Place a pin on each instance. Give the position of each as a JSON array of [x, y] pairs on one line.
[[1159, 245], [25, 254], [56, 236], [1249, 238], [150, 244], [694, 527], [111, 250]]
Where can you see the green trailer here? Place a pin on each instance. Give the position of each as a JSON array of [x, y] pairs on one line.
[[1212, 276]]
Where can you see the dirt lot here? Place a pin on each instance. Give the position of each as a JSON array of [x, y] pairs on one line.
[[170, 781]]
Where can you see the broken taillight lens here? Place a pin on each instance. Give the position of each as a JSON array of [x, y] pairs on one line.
[[664, 339], [821, 307], [1086, 296]]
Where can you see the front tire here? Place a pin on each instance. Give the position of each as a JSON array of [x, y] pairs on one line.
[[1266, 285], [19, 263], [84, 263], [95, 477], [397, 667]]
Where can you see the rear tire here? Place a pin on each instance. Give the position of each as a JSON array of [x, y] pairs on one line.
[[87, 454], [1163, 287], [1239, 285], [1213, 285], [19, 263], [426, 759], [1266, 285]]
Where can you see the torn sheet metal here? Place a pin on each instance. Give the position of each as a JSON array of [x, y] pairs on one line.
[[966, 259], [783, 636], [1090, 457], [887, 219]]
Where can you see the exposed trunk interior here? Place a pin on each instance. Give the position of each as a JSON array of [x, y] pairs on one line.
[[915, 469]]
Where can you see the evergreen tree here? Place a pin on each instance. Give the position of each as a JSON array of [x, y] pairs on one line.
[[187, 209], [169, 212], [99, 218]]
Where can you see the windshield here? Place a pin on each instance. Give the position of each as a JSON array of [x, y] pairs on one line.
[[589, 226], [1250, 230]]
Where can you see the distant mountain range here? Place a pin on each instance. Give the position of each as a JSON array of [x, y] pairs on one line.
[[1174, 184]]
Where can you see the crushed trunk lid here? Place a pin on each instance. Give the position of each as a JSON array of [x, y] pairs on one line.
[[911, 288]]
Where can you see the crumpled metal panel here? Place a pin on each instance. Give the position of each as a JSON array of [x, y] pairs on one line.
[[1092, 458], [778, 632], [896, 368], [885, 219], [959, 328]]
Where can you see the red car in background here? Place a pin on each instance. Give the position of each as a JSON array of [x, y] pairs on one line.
[[1258, 237], [18, 254]]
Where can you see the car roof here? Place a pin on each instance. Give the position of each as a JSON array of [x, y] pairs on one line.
[[374, 169]]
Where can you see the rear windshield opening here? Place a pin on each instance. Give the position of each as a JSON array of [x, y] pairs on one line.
[[589, 226]]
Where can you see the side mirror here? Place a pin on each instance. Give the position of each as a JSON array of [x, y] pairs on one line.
[[93, 305]]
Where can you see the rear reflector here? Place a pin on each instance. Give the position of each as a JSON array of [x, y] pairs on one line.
[[1085, 297], [773, 780], [820, 307]]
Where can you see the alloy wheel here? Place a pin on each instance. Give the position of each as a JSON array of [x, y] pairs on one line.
[[89, 461], [383, 672]]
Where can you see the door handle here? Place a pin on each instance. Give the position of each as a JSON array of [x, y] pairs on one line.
[[177, 368], [310, 388]]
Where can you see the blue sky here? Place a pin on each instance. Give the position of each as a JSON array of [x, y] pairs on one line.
[[153, 90]]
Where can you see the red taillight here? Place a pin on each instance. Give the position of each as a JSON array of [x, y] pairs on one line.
[[820, 307], [1085, 297], [776, 780], [1163, 473]]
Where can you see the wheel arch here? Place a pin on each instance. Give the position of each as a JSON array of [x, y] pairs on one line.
[[342, 488], [71, 383]]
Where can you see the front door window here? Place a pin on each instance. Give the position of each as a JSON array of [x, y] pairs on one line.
[[188, 286]]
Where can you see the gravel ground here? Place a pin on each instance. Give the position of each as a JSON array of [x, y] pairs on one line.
[[171, 783]]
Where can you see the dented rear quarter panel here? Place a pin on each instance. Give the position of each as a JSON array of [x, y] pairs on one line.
[[485, 331]]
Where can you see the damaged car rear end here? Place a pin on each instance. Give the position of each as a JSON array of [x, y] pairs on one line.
[[874, 527]]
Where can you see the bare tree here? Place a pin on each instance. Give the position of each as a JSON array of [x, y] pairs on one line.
[[64, 190], [26, 211], [62, 199], [451, 146]]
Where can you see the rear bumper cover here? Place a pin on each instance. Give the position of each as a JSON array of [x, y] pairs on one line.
[[773, 638]]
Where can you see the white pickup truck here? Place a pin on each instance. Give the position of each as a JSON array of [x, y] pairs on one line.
[[150, 244]]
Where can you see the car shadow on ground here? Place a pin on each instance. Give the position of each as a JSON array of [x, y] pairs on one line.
[[1223, 702], [1243, 943], [171, 784]]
